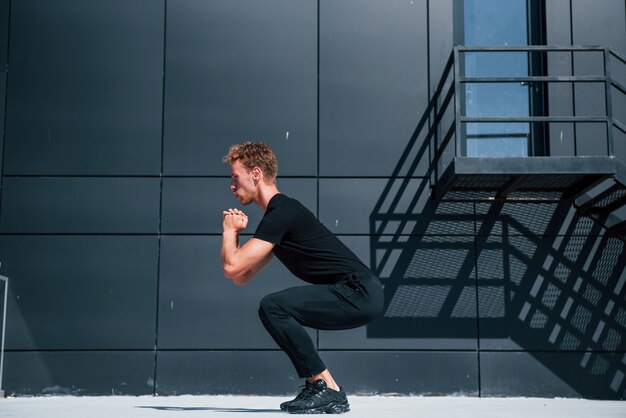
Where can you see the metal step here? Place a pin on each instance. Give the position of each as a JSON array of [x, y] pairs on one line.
[[586, 199], [605, 202], [615, 225]]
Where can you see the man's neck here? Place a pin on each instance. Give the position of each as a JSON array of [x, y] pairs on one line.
[[266, 193]]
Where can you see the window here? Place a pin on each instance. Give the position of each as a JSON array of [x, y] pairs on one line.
[[491, 23]]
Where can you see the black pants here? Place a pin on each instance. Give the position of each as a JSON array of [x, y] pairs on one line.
[[349, 303]]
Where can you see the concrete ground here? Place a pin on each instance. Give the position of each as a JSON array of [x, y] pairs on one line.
[[264, 406]]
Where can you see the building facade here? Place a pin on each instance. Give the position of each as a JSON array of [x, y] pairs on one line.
[[116, 116]]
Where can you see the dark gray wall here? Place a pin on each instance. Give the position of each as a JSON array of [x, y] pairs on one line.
[[4, 45], [118, 114], [580, 22]]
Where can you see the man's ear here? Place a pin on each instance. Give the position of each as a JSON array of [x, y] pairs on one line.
[[257, 174]]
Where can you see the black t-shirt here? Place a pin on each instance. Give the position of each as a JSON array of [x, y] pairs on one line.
[[305, 246]]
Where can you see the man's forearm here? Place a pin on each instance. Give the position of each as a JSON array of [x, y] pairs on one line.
[[240, 264], [230, 244], [231, 263]]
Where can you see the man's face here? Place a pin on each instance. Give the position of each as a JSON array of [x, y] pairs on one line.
[[242, 183]]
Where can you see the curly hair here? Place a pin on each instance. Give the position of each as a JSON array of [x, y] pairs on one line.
[[254, 154]]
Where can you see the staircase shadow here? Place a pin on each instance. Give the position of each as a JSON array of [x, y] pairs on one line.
[[531, 278]]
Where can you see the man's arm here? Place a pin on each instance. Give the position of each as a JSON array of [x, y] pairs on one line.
[[240, 264]]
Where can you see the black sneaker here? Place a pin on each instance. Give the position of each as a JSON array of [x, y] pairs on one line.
[[303, 394], [319, 399]]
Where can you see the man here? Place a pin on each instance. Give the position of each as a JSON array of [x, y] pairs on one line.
[[345, 293]]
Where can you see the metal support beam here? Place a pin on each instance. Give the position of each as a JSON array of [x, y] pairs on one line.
[[608, 101], [583, 186], [445, 182], [615, 226], [590, 204]]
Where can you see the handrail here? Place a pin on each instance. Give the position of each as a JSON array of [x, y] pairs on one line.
[[516, 119], [605, 77], [440, 102], [617, 55], [530, 48], [618, 85], [542, 79], [433, 135]]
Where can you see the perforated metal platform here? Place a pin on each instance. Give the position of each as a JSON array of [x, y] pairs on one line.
[[534, 178]]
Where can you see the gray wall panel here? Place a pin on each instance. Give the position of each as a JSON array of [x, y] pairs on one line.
[[4, 43], [441, 38], [587, 375], [591, 139], [600, 25], [80, 205], [560, 96], [346, 204], [3, 79], [239, 372], [404, 372], [591, 25], [360, 246], [605, 26], [113, 248], [507, 273], [589, 98], [85, 94], [195, 205], [558, 29], [389, 207], [370, 337], [80, 292], [551, 293], [373, 83], [4, 33], [200, 308], [79, 373], [225, 85], [419, 335], [430, 293], [358, 338], [561, 134], [226, 372]]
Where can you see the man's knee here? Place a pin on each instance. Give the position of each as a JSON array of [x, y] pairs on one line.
[[267, 303], [270, 305]]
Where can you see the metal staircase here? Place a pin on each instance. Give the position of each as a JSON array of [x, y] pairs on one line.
[[596, 184], [606, 203], [504, 249]]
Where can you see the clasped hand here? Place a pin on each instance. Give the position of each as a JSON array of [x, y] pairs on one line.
[[234, 219]]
